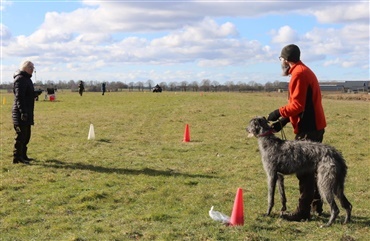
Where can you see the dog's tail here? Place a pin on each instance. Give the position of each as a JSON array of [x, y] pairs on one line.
[[341, 172], [331, 174]]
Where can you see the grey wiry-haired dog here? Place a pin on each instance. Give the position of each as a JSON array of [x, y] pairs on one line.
[[288, 157]]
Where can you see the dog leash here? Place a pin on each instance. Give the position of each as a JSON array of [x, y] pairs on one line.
[[283, 136]]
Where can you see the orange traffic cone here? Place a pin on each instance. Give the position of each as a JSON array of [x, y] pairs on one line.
[[237, 216], [186, 134]]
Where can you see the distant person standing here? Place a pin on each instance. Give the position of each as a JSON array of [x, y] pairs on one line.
[[81, 87], [22, 111], [103, 88]]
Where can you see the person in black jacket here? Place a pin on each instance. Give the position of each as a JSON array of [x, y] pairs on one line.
[[103, 88], [22, 111], [81, 87]]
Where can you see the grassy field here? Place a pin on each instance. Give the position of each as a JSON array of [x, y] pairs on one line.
[[138, 181]]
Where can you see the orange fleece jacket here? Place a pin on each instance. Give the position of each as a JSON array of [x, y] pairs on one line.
[[303, 82]]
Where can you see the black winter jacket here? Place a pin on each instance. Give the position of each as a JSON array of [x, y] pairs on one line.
[[24, 98]]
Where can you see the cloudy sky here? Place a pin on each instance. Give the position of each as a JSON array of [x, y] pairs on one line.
[[175, 41]]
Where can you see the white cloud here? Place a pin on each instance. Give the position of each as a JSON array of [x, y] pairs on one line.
[[351, 44], [82, 20], [4, 4], [170, 15], [344, 12], [340, 62], [284, 35], [5, 33], [45, 36], [206, 40], [204, 33], [112, 33]]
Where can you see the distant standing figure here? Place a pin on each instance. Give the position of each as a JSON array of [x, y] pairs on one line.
[[22, 111], [103, 88], [81, 87]]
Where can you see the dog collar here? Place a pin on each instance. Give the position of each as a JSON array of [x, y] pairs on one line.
[[267, 133]]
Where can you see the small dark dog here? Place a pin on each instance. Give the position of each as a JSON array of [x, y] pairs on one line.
[[288, 157]]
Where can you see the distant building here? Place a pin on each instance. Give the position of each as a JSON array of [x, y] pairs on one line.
[[283, 86], [346, 86], [357, 86], [332, 86]]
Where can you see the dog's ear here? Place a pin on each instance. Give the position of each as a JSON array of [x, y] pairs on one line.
[[263, 122]]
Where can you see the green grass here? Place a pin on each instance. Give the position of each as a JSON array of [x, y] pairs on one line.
[[138, 181]]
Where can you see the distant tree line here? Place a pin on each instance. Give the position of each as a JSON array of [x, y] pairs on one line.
[[205, 85]]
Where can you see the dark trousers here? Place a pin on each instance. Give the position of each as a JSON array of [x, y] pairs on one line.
[[307, 182], [22, 138]]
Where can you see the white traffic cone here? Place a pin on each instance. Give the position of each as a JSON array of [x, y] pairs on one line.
[[91, 135]]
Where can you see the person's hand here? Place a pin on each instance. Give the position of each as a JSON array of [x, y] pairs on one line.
[[24, 116], [278, 125], [273, 116]]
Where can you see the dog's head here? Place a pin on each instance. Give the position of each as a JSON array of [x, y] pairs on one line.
[[257, 126]]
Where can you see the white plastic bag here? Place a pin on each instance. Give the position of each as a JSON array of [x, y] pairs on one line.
[[220, 217]]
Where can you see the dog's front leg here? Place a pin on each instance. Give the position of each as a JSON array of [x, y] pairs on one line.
[[271, 182], [281, 187]]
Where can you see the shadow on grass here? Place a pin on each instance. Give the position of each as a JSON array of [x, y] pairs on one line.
[[146, 171], [363, 221], [268, 222], [355, 219]]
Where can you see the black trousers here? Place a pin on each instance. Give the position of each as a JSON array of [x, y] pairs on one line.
[[307, 183], [22, 138]]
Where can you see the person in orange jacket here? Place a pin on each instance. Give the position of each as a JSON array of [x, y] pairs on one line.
[[306, 114]]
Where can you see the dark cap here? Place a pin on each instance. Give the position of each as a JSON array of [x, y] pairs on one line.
[[291, 53]]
